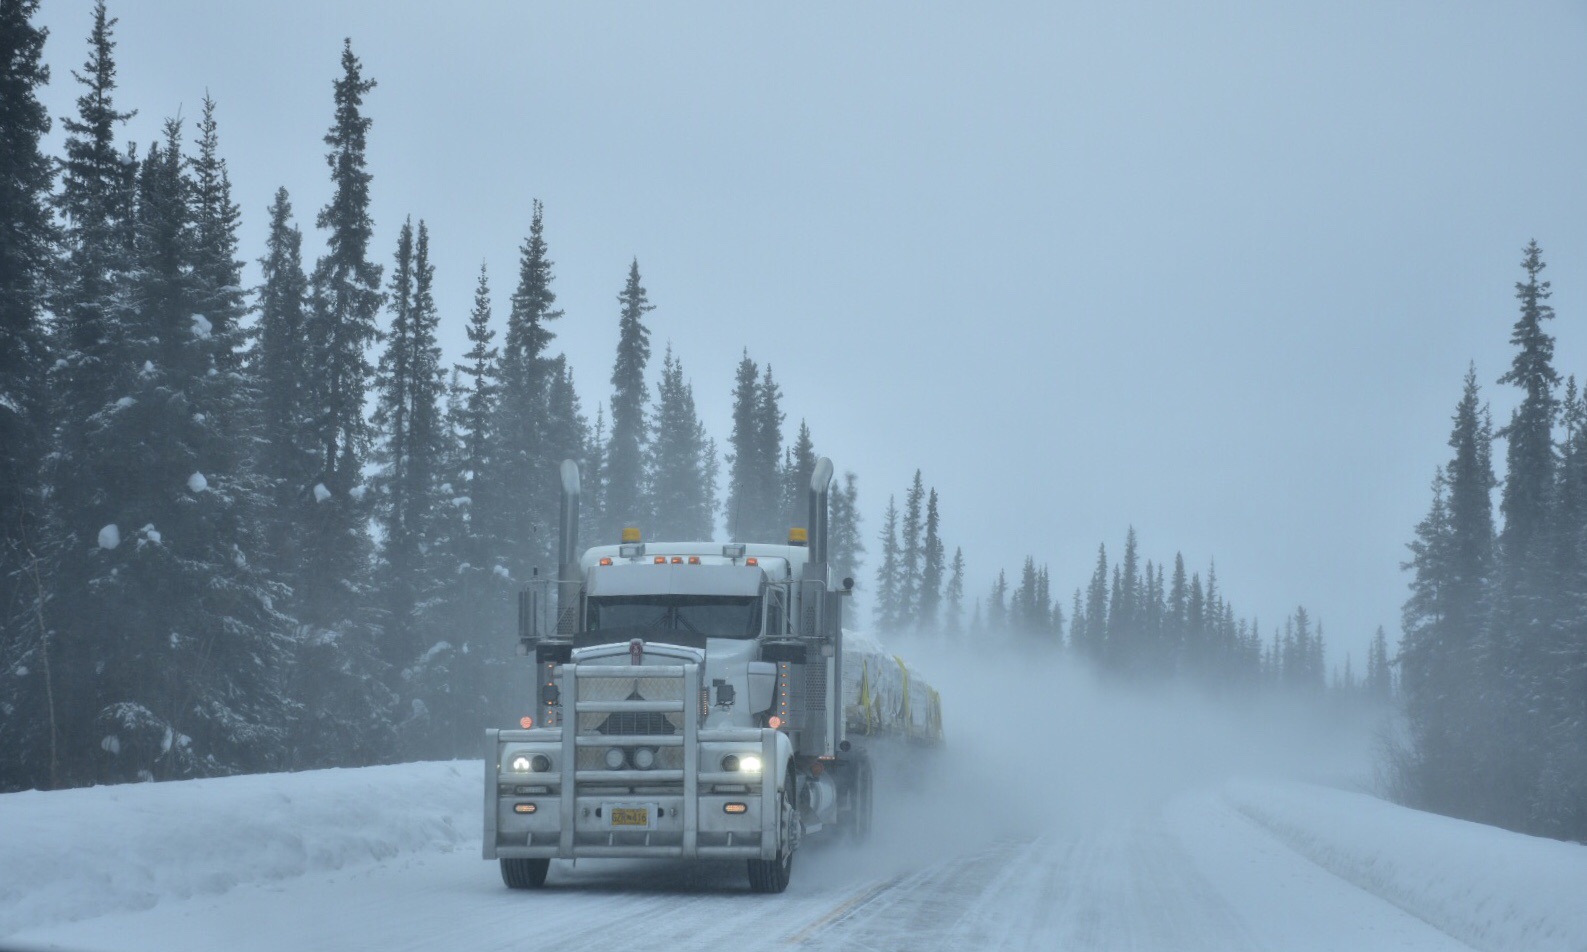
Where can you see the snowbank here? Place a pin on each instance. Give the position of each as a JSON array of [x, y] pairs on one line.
[[1488, 887], [73, 854]]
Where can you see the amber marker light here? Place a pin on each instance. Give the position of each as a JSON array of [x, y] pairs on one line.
[[677, 560], [735, 808], [606, 560], [523, 808], [694, 560], [661, 560], [752, 561], [526, 722], [774, 722]]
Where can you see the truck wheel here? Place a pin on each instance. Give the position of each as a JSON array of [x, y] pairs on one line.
[[524, 873], [856, 821], [771, 875], [861, 828]]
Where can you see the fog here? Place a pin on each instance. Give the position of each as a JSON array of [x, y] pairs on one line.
[[1037, 744]]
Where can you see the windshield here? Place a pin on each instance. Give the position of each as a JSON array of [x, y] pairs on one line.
[[709, 616]]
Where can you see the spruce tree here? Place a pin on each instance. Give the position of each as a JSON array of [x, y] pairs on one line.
[[1094, 645], [848, 548], [768, 451], [284, 455], [1378, 685], [911, 554], [338, 676], [87, 381], [523, 485], [886, 612], [680, 456], [410, 446], [801, 463], [953, 597], [743, 489], [931, 568], [626, 496], [26, 177], [997, 609]]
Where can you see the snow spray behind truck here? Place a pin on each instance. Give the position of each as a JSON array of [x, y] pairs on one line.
[[694, 700]]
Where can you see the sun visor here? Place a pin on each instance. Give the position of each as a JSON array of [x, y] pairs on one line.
[[643, 578]]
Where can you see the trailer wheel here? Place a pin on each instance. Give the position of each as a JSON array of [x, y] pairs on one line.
[[524, 873]]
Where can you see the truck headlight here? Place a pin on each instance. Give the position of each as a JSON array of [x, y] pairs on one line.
[[614, 758], [529, 763], [644, 758], [733, 763]]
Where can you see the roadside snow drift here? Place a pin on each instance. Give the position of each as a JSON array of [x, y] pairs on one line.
[[1485, 886], [74, 854]]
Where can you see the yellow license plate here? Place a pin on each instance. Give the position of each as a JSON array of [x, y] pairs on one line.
[[630, 816]]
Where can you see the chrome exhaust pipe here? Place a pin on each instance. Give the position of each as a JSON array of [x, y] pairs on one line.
[[820, 482]]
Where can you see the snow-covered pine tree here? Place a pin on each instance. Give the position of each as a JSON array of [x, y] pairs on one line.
[[1094, 646], [409, 449], [187, 642], [679, 461], [766, 518], [931, 567], [1525, 601], [520, 506], [848, 546], [86, 383], [338, 680], [953, 597], [743, 483], [910, 554], [885, 612], [997, 610], [284, 452], [1561, 805], [1378, 685], [800, 465], [469, 615], [626, 495], [26, 177]]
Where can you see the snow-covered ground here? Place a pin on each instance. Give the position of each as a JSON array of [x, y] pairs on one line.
[[1063, 812], [387, 858]]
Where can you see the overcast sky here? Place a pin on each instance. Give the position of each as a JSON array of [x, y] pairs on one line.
[[1213, 272]]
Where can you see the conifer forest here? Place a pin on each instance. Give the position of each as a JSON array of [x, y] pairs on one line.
[[270, 526]]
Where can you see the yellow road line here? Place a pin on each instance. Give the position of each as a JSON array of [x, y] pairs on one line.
[[843, 911]]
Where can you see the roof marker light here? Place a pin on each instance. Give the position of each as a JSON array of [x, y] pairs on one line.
[[694, 560], [677, 560], [752, 561], [606, 560], [661, 560]]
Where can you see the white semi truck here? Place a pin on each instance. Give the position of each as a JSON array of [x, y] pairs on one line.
[[694, 700]]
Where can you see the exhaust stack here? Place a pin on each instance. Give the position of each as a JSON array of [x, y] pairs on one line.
[[820, 481], [569, 576]]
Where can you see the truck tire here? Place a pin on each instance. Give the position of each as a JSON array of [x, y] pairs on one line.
[[771, 875], [855, 822], [524, 873]]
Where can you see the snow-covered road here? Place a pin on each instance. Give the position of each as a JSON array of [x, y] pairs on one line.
[[387, 858]]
